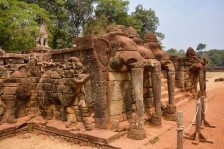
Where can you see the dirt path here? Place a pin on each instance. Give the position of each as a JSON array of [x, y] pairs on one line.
[[214, 115], [33, 141]]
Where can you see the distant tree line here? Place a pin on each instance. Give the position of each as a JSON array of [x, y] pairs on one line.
[[20, 20]]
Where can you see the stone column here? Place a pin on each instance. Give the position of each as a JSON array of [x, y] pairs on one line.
[[171, 86], [202, 82], [137, 82], [137, 131], [156, 88]]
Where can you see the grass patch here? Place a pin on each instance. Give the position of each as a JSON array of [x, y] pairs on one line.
[[30, 127], [154, 140]]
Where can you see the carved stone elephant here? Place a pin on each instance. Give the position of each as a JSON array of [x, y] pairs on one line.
[[197, 70], [125, 56], [151, 43]]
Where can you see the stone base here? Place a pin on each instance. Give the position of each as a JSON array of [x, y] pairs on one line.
[[155, 120], [201, 93], [170, 113], [137, 134]]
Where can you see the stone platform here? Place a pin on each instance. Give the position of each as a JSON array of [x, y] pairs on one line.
[[101, 138]]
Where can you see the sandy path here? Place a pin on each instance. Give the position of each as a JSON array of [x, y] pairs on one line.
[[214, 115], [33, 141]]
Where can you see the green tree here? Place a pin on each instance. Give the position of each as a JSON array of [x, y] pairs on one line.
[[69, 18], [80, 11], [19, 24], [115, 10], [62, 36], [200, 48], [215, 57], [148, 21], [174, 52], [96, 26]]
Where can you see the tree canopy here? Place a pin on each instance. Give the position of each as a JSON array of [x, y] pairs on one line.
[[67, 19], [19, 24], [148, 21]]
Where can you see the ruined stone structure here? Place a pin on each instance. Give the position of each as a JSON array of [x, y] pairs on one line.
[[101, 82], [189, 71], [151, 42]]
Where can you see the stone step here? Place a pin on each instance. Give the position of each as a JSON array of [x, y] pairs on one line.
[[163, 81], [177, 98], [164, 93], [164, 87]]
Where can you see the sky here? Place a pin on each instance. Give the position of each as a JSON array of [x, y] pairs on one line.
[[186, 23]]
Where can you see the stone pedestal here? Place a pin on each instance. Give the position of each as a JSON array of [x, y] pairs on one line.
[[155, 120], [137, 131], [170, 113]]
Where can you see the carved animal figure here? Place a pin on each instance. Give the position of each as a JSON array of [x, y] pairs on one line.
[[2, 53], [42, 40], [197, 70], [151, 43], [154, 68], [62, 87]]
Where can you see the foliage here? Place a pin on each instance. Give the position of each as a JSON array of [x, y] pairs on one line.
[[19, 24], [114, 10], [96, 26], [72, 18], [174, 52], [216, 57], [148, 21], [141, 19], [79, 12], [201, 46], [69, 17]]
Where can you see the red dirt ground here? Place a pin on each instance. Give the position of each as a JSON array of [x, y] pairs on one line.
[[214, 116]]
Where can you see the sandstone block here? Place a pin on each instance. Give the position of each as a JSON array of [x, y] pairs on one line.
[[7, 118], [88, 120], [11, 84], [70, 110], [10, 104], [2, 110], [79, 118], [71, 118], [55, 75], [11, 111], [115, 90], [24, 81], [22, 113], [116, 107], [18, 74], [119, 76], [9, 90], [8, 97], [118, 117]]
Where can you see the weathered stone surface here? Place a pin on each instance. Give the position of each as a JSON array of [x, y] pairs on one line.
[[10, 90], [118, 76], [72, 118], [118, 117], [116, 90], [116, 107], [24, 81], [2, 110], [18, 74], [10, 104], [8, 97], [70, 110]]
